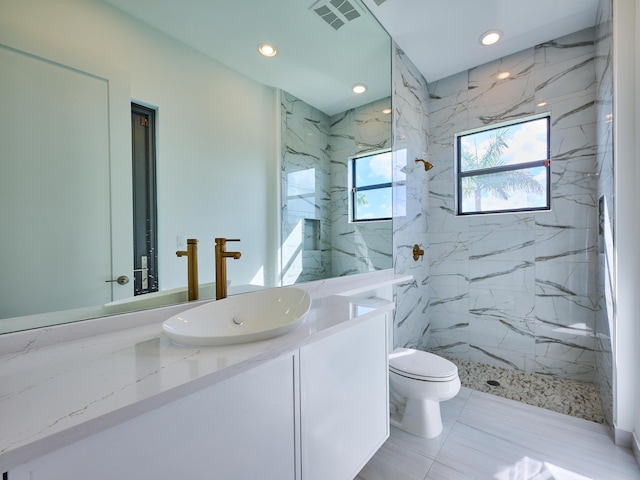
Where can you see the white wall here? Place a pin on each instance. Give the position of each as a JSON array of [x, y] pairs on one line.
[[636, 362], [626, 335], [216, 139]]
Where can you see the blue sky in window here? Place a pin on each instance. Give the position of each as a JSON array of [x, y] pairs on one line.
[[527, 142], [374, 169], [379, 204]]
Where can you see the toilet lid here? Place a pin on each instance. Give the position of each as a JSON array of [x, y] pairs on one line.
[[421, 365]]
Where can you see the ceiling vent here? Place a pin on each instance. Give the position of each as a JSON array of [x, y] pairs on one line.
[[337, 13]]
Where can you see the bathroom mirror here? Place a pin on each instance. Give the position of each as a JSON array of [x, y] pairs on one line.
[[247, 147]]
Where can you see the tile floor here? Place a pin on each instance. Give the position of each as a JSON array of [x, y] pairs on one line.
[[489, 437]]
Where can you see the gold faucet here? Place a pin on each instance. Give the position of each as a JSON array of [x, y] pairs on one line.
[[221, 265], [192, 267]]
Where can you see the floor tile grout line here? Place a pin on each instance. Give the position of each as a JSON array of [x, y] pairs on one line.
[[456, 420], [447, 430], [515, 440], [466, 418]]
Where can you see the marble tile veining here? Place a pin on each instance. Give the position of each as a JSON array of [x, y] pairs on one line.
[[315, 189], [411, 189], [515, 280], [605, 189]]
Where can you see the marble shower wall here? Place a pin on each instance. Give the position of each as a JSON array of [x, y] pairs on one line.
[[519, 290], [306, 192], [357, 247], [317, 240], [410, 201], [604, 167]]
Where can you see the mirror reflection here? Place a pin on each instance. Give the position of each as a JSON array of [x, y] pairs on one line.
[[319, 237], [126, 133]]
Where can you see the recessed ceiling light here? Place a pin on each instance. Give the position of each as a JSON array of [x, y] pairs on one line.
[[542, 104], [502, 75], [267, 50], [491, 37], [359, 88], [386, 111]]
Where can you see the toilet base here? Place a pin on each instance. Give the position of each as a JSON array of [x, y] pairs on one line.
[[420, 417]]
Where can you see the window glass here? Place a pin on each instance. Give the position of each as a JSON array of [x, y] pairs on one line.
[[373, 170], [371, 192], [504, 168], [373, 204], [514, 144], [526, 189]]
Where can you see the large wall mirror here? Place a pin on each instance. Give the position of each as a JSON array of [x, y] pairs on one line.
[[245, 146]]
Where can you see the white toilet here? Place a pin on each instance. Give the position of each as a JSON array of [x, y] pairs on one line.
[[418, 382]]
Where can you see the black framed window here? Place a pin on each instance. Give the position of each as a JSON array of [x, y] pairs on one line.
[[371, 192], [504, 168]]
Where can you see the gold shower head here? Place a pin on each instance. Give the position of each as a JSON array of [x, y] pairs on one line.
[[427, 165]]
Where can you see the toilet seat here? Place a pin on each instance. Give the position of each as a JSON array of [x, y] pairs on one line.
[[420, 365]]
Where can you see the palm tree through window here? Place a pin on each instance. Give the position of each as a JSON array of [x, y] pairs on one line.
[[505, 168]]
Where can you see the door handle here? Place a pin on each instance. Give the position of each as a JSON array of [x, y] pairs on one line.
[[121, 280]]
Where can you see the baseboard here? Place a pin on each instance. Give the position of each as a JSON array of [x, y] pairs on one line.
[[623, 438], [629, 440]]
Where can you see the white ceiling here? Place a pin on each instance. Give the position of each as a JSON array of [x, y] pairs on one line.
[[320, 65], [441, 36], [315, 63]]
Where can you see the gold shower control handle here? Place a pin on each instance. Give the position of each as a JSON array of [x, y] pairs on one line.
[[417, 252]]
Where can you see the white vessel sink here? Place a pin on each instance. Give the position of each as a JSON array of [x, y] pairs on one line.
[[240, 319]]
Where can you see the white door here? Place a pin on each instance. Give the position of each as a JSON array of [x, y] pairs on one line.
[[56, 175]]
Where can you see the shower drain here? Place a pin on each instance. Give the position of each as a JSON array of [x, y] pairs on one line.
[[493, 383]]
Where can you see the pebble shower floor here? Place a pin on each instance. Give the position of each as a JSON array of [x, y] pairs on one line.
[[563, 396]]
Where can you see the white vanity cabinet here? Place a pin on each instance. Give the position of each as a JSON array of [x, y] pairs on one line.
[[319, 411], [344, 401], [241, 428]]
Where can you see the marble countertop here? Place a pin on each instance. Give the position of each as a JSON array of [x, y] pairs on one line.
[[56, 395]]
